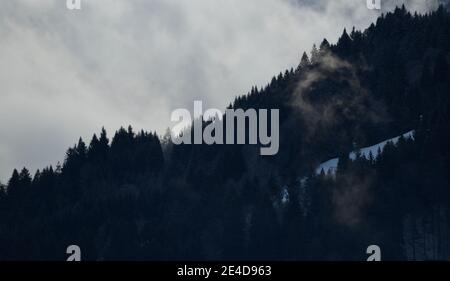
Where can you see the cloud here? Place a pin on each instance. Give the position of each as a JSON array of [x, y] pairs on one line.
[[420, 6], [65, 74], [352, 199], [352, 104]]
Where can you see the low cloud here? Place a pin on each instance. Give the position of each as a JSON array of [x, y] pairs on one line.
[[352, 199], [65, 74], [353, 103]]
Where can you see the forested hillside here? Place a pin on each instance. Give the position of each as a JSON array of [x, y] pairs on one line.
[[136, 196]]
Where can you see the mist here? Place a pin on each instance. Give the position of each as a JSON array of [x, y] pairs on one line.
[[66, 73]]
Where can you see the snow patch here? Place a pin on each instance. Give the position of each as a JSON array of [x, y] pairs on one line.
[[284, 195], [376, 149], [330, 166]]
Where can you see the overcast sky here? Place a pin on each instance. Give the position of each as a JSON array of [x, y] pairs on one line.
[[65, 74]]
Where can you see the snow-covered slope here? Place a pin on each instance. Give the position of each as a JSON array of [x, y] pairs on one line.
[[331, 165]]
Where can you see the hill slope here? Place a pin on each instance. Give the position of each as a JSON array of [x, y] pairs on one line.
[[140, 197]]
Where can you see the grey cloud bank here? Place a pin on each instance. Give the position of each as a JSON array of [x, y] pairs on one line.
[[66, 73]]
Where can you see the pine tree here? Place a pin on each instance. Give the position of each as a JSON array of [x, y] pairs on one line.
[[103, 145], [25, 177], [93, 146], [98, 148], [324, 46], [104, 141], [343, 47], [19, 183], [315, 55], [37, 177], [304, 63], [2, 196], [14, 184], [81, 150], [343, 163]]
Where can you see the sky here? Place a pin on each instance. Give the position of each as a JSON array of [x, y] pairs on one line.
[[65, 74]]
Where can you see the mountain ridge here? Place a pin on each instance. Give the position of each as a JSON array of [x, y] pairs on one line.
[[139, 197]]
